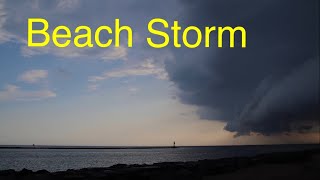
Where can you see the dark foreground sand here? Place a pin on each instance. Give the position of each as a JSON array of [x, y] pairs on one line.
[[302, 165]]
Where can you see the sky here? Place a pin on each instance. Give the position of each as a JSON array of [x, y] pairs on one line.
[[266, 93]]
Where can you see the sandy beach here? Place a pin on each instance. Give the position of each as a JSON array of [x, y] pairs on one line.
[[281, 165]]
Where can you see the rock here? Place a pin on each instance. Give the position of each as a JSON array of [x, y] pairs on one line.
[[25, 172], [43, 172], [7, 172]]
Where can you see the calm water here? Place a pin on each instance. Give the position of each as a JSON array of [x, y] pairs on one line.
[[63, 159]]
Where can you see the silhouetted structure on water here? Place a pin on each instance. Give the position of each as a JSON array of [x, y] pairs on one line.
[[174, 144]]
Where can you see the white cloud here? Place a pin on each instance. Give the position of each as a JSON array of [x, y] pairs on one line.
[[4, 35], [93, 87], [16, 14], [2, 21], [34, 76], [133, 90], [12, 92], [144, 69], [67, 5], [115, 53], [67, 52], [20, 37], [35, 4], [119, 53]]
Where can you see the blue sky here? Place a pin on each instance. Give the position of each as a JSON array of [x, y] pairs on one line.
[[52, 96], [110, 96]]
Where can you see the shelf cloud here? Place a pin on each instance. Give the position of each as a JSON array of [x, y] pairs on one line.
[[272, 86]]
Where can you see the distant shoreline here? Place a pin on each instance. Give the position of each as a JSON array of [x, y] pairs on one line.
[[60, 147], [132, 147]]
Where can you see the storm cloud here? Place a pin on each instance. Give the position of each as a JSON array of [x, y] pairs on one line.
[[271, 86]]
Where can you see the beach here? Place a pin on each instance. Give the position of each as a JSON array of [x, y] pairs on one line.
[[279, 165]]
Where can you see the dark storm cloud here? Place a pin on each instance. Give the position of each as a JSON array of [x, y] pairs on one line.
[[271, 86]]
